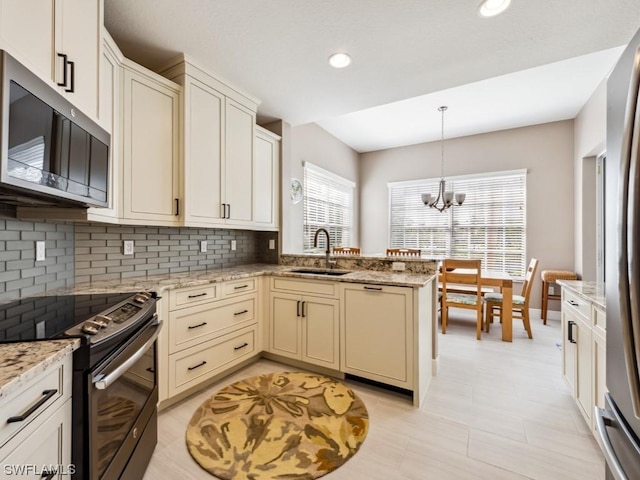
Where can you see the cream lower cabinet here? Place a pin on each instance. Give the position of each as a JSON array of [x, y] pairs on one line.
[[211, 329], [43, 438], [304, 321], [377, 333], [584, 352]]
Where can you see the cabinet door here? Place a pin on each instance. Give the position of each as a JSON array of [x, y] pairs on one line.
[[78, 35], [285, 325], [569, 350], [377, 333], [266, 161], [48, 444], [584, 382], [238, 177], [150, 156], [204, 118], [27, 33], [320, 332]]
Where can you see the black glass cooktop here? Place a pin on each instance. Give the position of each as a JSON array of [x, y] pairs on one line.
[[39, 318]]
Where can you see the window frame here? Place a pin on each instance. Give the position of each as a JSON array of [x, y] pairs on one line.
[[429, 185]]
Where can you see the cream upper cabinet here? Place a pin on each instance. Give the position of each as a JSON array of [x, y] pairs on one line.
[[219, 135], [151, 147], [60, 41], [266, 179], [377, 332]]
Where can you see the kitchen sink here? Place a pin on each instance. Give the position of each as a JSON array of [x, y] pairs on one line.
[[311, 271]]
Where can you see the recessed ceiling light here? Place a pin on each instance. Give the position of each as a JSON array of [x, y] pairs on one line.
[[491, 8], [340, 60]]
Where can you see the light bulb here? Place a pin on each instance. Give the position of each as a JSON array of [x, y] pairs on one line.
[[340, 60], [491, 8]]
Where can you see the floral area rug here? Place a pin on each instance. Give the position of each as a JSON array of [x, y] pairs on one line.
[[293, 426]]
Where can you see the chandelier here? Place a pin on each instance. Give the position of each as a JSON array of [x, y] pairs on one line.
[[444, 195]]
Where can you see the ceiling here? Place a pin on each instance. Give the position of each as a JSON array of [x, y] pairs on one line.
[[538, 62]]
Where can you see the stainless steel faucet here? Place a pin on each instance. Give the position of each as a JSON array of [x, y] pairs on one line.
[[329, 262]]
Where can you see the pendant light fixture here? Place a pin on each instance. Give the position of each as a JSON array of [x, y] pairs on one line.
[[444, 195]]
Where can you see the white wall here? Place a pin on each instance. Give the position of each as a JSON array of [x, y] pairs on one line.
[[546, 151], [590, 128], [313, 144]]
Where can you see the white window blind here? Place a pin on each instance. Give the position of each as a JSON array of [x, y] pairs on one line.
[[490, 225], [328, 203]]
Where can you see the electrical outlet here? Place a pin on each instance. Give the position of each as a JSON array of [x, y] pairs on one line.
[[128, 247], [203, 246], [272, 244], [398, 266], [40, 251], [233, 244]]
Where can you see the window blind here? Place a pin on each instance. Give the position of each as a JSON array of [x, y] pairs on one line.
[[328, 203], [489, 226]]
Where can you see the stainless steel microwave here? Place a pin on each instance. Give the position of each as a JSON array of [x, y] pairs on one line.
[[51, 153]]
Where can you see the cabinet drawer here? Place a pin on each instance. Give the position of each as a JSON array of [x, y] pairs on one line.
[[49, 389], [238, 287], [195, 365], [296, 285], [576, 304], [185, 297], [191, 326]]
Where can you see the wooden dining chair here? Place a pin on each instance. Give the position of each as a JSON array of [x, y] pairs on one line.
[[470, 276], [346, 250], [403, 252], [493, 301]]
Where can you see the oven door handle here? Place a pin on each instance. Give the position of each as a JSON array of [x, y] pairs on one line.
[[104, 382]]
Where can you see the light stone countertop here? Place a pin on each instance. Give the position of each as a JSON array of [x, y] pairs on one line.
[[23, 361], [592, 291]]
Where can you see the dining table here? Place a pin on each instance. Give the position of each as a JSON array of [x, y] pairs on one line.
[[504, 282]]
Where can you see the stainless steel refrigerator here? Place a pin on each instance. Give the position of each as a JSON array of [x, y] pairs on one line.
[[619, 422]]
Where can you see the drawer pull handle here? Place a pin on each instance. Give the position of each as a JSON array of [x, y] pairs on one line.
[[379, 289], [242, 312], [198, 295], [191, 327], [46, 395], [245, 344], [574, 303], [197, 366], [240, 286], [570, 326]]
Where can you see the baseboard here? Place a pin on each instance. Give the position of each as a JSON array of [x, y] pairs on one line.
[[536, 313]]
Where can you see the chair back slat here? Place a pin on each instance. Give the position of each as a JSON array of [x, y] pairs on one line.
[[403, 252], [470, 274], [528, 284], [346, 250]]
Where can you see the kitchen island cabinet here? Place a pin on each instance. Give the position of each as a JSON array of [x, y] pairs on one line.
[[584, 345]]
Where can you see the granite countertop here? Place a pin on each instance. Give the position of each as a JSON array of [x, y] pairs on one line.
[[23, 361], [163, 282], [591, 291]]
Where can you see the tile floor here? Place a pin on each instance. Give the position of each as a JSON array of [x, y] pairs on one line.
[[496, 411]]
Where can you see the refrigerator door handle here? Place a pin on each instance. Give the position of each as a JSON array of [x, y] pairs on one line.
[[629, 216], [604, 418]]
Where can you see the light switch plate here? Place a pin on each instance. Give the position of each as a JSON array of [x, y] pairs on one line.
[[272, 244], [233, 244], [203, 246], [128, 247], [40, 251]]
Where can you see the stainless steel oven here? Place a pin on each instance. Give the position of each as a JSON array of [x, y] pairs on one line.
[[114, 390]]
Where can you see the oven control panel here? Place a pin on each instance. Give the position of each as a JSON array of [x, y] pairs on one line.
[[114, 319]]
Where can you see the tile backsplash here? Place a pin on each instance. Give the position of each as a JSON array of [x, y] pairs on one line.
[[80, 252], [99, 253]]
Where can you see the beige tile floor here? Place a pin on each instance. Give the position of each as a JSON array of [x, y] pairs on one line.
[[496, 411]]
